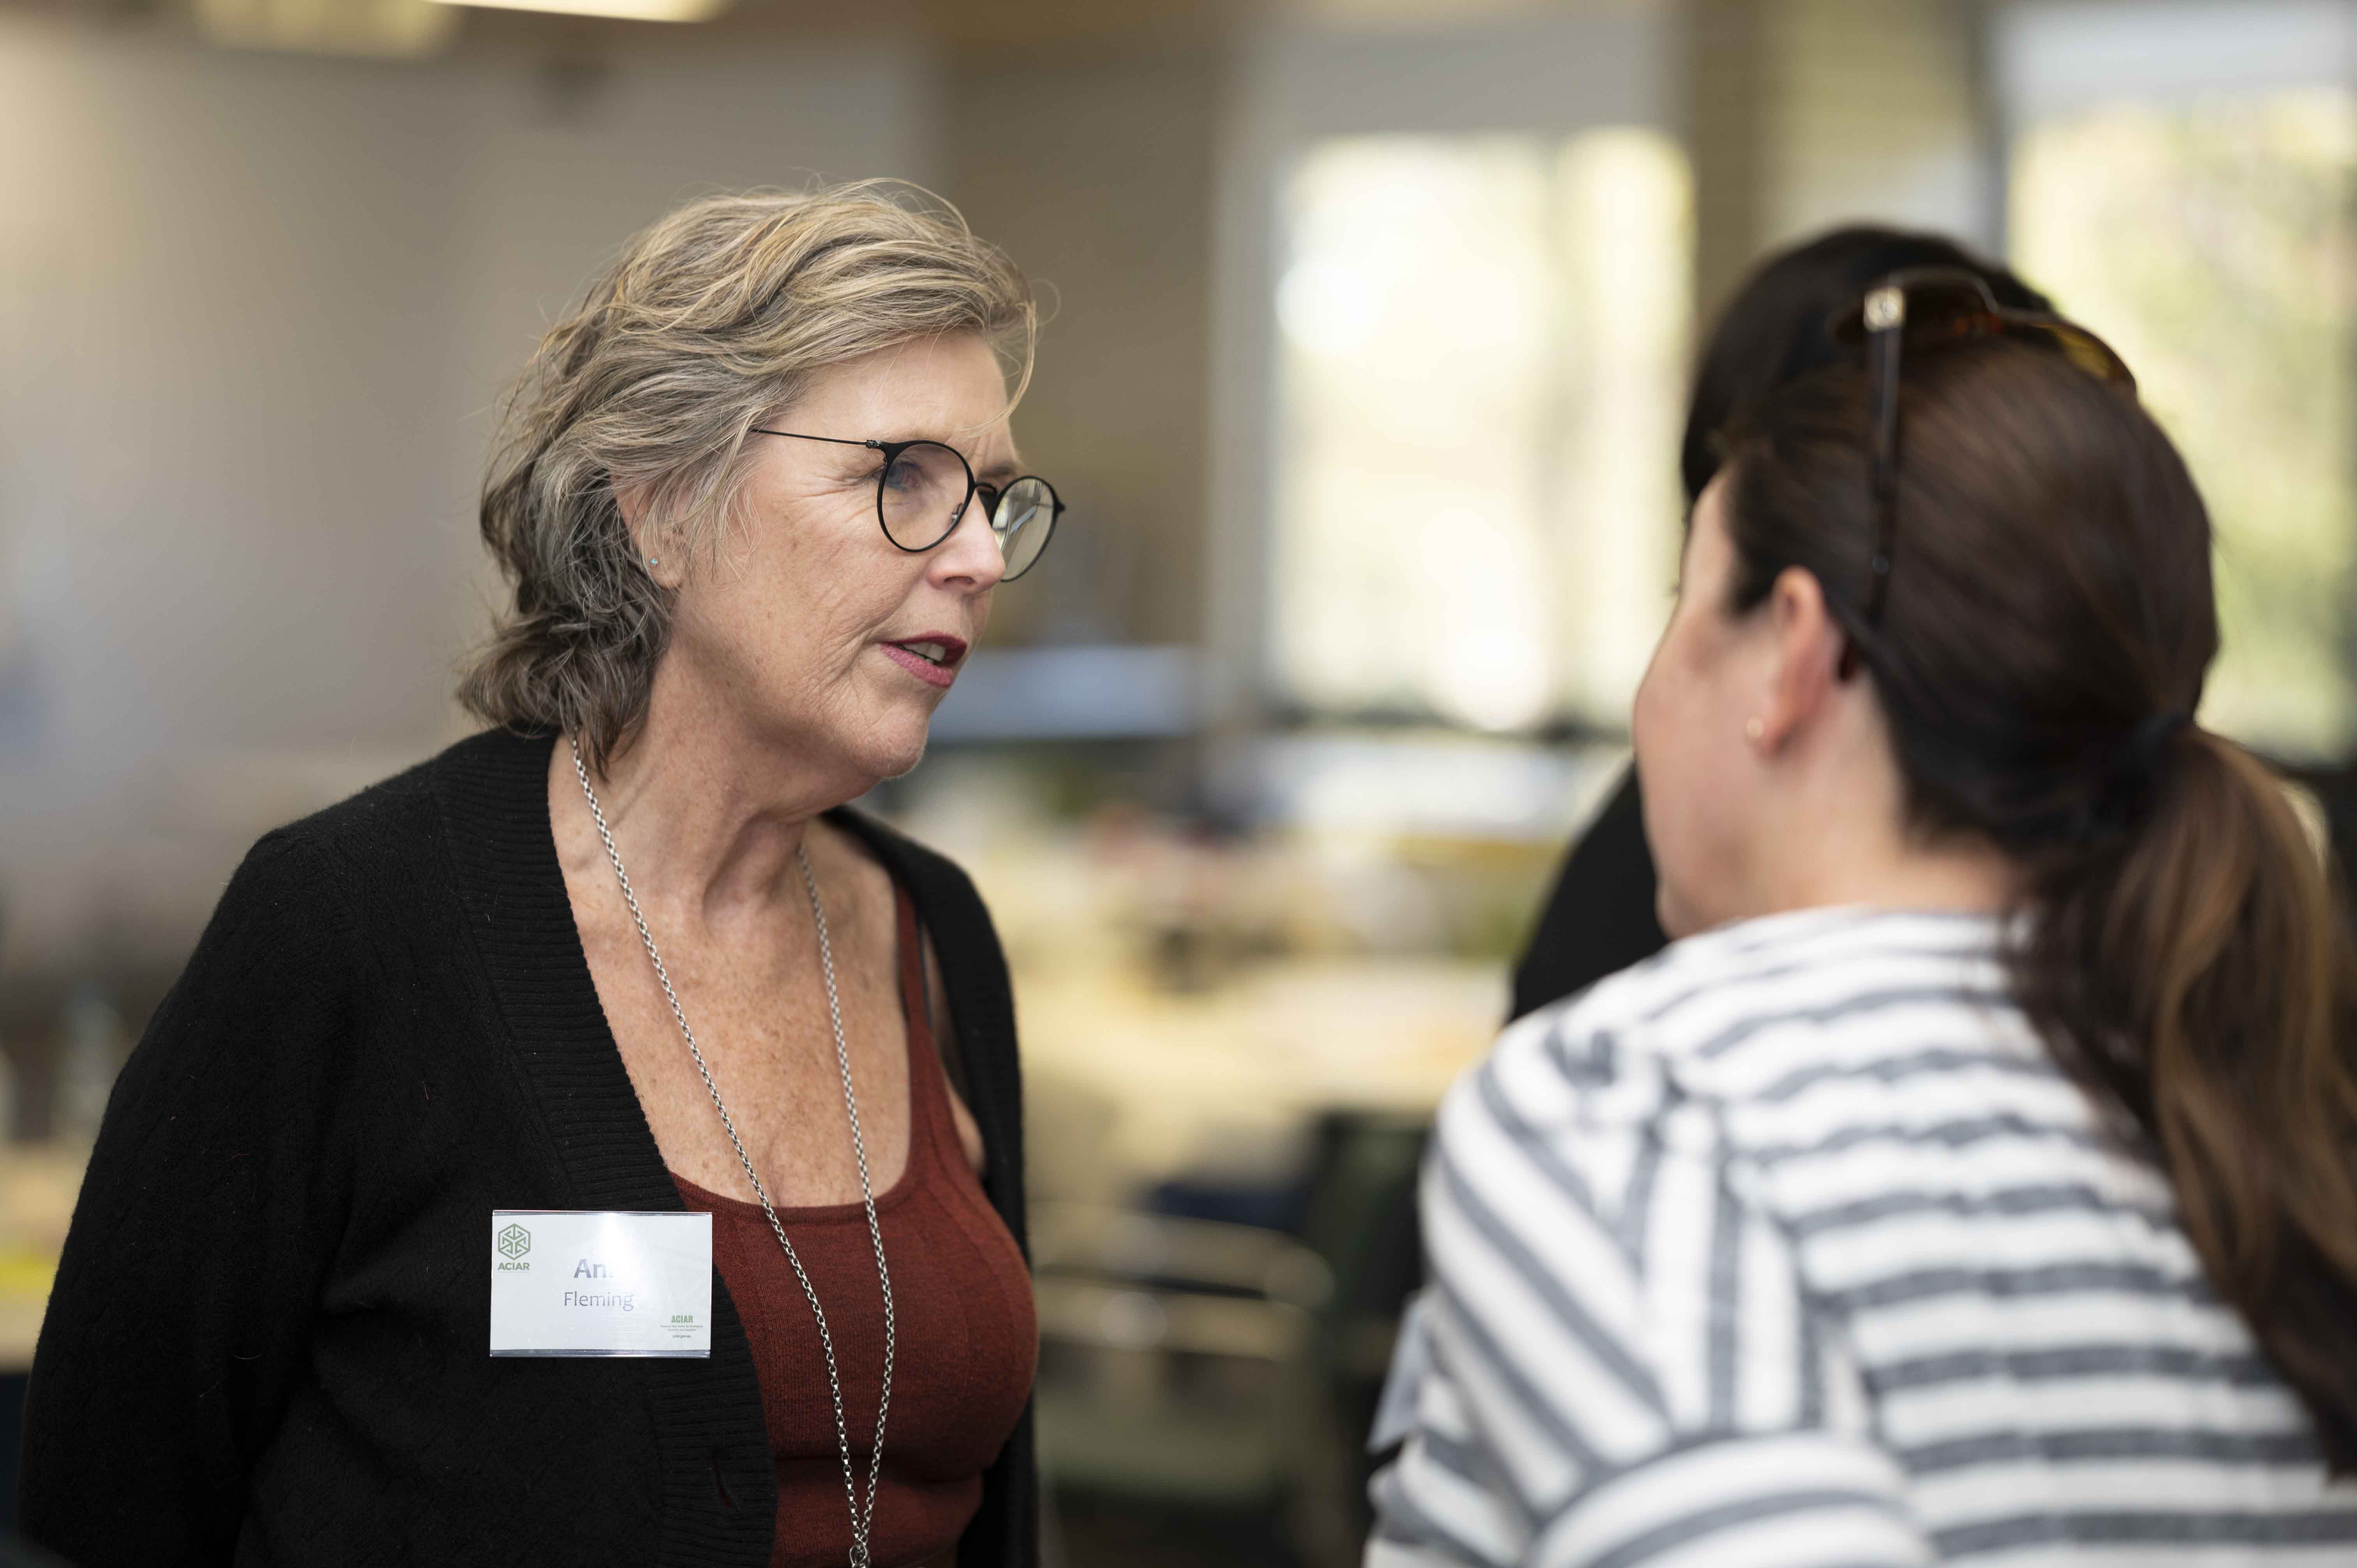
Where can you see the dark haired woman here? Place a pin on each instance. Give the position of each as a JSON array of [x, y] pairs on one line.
[[1600, 915], [1976, 1179]]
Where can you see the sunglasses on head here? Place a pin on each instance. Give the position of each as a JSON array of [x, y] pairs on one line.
[[1927, 307]]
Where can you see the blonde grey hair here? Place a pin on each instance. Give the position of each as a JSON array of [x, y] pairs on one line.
[[715, 317]]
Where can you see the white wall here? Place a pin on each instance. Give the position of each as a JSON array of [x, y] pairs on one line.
[[2056, 56], [253, 312], [1876, 113]]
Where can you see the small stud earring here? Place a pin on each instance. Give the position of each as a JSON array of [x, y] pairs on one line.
[[1754, 729], [652, 563]]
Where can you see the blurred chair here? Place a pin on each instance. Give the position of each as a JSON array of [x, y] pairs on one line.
[[1232, 1369], [1361, 1217], [12, 1451], [1180, 1368]]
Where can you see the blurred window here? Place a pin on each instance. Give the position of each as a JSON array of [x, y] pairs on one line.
[[2210, 239], [1481, 379]]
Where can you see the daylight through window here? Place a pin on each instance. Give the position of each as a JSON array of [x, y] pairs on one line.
[[1482, 364]]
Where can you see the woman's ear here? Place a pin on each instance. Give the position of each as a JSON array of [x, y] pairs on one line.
[[645, 538], [1806, 645]]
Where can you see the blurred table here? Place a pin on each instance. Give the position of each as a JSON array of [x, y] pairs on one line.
[[38, 1183], [1132, 1085]]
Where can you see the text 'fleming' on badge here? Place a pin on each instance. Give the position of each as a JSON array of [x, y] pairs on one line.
[[600, 1283]]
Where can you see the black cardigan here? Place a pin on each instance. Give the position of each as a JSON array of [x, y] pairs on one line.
[[268, 1340]]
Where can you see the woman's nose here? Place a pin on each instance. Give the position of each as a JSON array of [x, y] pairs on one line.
[[970, 552]]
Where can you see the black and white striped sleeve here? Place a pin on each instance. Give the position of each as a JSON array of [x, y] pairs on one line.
[[1611, 1365]]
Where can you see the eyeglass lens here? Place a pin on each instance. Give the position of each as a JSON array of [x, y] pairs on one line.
[[921, 493], [1944, 310], [1024, 518], [1948, 310]]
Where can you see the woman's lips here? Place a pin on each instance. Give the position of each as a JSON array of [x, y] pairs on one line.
[[931, 671]]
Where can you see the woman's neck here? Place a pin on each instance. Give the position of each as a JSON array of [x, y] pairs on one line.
[[1959, 878], [1838, 828], [1865, 855], [708, 816]]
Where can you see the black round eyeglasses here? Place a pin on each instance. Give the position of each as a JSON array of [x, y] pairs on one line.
[[924, 488]]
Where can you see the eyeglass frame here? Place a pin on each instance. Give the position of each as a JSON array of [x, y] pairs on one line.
[[974, 487], [1879, 318]]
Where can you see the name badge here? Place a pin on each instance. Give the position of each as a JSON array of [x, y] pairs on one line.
[[600, 1283]]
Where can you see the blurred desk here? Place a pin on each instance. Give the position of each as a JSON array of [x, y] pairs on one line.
[[1133, 1085]]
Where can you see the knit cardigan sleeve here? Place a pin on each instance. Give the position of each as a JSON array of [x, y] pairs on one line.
[[178, 1320]]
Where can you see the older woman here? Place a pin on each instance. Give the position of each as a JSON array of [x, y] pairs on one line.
[[619, 963]]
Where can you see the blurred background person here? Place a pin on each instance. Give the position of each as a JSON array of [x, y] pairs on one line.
[[1600, 915], [1979, 1176], [1371, 329], [754, 496]]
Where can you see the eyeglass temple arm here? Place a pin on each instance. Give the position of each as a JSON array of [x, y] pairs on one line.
[[1883, 347], [884, 446]]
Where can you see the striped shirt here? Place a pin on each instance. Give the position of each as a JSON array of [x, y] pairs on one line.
[[1791, 1246]]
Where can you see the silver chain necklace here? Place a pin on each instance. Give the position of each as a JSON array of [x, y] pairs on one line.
[[862, 1515]]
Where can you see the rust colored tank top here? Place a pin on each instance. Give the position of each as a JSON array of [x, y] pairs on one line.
[[967, 1339]]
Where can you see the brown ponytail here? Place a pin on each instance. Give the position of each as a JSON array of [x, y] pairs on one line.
[[2048, 623], [2201, 977]]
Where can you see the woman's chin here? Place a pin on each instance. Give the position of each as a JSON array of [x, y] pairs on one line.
[[904, 764], [873, 736], [895, 747]]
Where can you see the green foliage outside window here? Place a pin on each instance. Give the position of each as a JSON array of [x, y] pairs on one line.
[[2214, 244]]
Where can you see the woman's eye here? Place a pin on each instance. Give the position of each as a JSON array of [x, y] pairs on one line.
[[900, 474]]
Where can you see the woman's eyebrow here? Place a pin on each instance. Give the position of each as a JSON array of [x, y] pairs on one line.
[[1010, 466]]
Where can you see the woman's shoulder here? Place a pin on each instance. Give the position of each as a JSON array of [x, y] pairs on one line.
[[495, 780], [1726, 1015], [947, 900], [383, 845], [950, 908]]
